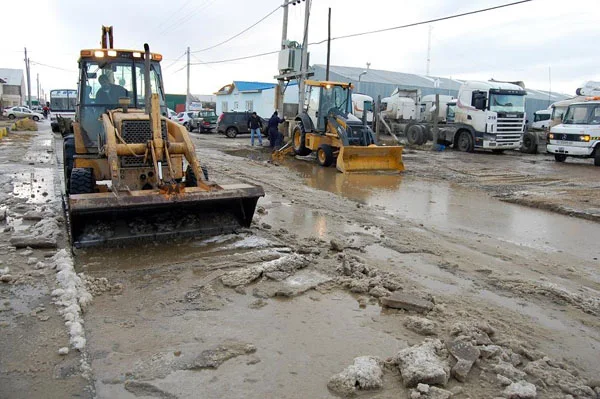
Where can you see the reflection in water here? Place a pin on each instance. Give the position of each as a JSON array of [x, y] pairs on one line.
[[442, 205]]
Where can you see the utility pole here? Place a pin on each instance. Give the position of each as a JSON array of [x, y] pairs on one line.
[[38, 89], [304, 71], [428, 50], [187, 93], [28, 79], [328, 44], [280, 93]]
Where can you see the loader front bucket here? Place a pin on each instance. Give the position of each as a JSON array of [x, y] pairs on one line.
[[147, 215], [371, 158]]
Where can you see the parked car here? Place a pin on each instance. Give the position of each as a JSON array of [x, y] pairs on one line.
[[205, 121], [171, 114], [233, 123], [184, 118], [22, 112]]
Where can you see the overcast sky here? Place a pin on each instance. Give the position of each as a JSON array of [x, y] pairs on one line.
[[523, 42]]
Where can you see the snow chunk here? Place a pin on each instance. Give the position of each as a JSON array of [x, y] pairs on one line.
[[365, 373]]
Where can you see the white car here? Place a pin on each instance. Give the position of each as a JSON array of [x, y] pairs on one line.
[[171, 114], [22, 112], [184, 118]]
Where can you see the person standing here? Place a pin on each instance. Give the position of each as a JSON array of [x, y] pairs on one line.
[[275, 136], [255, 124]]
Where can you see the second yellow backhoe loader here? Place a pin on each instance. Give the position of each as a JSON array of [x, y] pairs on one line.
[[327, 126], [131, 173]]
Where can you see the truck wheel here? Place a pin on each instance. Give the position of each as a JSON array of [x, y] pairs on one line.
[[68, 154], [231, 132], [597, 155], [560, 157], [529, 145], [190, 177], [325, 155], [82, 181], [414, 135], [299, 141], [464, 142]]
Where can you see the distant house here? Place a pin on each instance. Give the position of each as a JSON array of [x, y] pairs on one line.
[[252, 96], [13, 91]]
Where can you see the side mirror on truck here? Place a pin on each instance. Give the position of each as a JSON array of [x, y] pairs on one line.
[[479, 100]]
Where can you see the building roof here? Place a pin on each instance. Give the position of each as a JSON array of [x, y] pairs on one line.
[[252, 86], [422, 81], [13, 77]]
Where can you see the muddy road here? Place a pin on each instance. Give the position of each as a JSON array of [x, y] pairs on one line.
[[278, 309]]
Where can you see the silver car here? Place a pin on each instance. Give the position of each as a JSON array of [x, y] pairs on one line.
[[22, 112]]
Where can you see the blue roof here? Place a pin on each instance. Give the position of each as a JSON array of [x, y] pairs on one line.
[[252, 86]]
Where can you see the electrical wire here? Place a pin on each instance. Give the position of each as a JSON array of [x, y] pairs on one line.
[[51, 66], [372, 32], [240, 33], [174, 62]]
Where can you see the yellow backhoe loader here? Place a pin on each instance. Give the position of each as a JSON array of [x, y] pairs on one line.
[[131, 173], [328, 127]]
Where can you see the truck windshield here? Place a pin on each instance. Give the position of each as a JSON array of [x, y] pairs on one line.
[[541, 117], [582, 114], [63, 100], [507, 102]]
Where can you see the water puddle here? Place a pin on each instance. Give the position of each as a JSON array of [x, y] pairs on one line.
[[37, 186]]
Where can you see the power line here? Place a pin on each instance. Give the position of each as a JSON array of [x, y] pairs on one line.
[[425, 22], [371, 32], [53, 67], [240, 33], [174, 62]]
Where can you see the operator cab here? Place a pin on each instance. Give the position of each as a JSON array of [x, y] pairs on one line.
[[324, 98], [107, 77]]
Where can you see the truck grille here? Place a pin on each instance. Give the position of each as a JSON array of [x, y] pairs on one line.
[[136, 132], [509, 129]]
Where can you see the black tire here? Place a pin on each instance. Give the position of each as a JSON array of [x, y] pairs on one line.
[[11, 116], [68, 155], [190, 177], [55, 127], [231, 132], [464, 141], [35, 118], [299, 141], [414, 135], [325, 156], [560, 157], [597, 155], [498, 151], [187, 126], [529, 145], [82, 181]]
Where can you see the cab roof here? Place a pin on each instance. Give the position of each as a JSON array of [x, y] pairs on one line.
[[110, 53]]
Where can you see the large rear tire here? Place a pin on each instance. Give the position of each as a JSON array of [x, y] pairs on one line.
[[299, 141], [82, 181], [68, 155], [464, 142], [529, 144], [560, 157], [325, 156]]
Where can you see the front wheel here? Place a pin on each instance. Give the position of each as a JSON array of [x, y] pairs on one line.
[[560, 157], [465, 142], [11, 116], [325, 155], [82, 181]]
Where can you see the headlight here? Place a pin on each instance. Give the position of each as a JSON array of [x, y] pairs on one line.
[[551, 136], [585, 138]]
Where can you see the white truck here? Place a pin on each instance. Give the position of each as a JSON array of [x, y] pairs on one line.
[[62, 109], [488, 115], [407, 113], [579, 133], [360, 103]]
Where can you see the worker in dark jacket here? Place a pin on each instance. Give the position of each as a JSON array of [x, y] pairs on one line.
[[275, 137], [255, 124]]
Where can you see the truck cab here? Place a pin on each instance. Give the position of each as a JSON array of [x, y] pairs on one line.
[[579, 133], [492, 114]]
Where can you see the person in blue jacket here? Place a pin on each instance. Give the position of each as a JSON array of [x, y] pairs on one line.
[[275, 137]]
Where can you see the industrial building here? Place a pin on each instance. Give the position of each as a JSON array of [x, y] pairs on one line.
[[381, 83], [13, 91]]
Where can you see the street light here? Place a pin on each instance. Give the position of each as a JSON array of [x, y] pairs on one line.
[[363, 73]]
